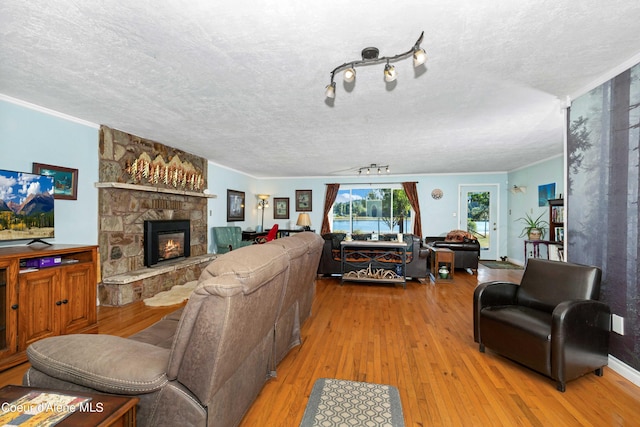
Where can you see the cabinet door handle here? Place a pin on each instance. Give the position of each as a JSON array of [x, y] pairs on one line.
[[64, 301], [58, 302], [14, 306]]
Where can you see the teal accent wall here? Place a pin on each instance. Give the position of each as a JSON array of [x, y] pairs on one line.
[[541, 173], [438, 216], [29, 134]]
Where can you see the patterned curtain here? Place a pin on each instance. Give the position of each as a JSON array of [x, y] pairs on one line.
[[411, 189], [329, 198]]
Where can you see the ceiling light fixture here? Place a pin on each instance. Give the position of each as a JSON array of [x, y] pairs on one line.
[[370, 57], [373, 166]]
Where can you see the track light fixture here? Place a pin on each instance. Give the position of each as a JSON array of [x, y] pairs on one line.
[[370, 57], [373, 167]]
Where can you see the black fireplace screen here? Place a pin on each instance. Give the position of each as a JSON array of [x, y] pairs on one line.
[[166, 240]]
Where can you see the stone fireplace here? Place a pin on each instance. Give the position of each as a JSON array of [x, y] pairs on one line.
[[127, 201]]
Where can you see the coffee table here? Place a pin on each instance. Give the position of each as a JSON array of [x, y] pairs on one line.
[[102, 410], [372, 253]]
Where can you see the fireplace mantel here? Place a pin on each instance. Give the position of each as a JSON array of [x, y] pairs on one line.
[[150, 189]]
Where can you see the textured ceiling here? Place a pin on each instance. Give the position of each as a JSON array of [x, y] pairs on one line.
[[242, 83]]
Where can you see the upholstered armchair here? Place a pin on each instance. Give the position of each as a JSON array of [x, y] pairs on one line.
[[228, 239], [552, 322]]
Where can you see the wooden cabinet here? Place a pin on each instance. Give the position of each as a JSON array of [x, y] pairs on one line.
[[8, 313], [39, 303], [556, 220]]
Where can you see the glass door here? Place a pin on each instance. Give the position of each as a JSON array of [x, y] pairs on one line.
[[479, 216]]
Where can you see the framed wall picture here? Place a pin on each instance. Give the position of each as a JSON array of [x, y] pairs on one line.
[[303, 200], [235, 205], [545, 193], [280, 208], [65, 180]]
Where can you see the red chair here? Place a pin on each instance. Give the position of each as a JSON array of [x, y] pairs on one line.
[[270, 236]]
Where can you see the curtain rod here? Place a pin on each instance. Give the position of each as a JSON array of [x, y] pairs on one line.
[[368, 183]]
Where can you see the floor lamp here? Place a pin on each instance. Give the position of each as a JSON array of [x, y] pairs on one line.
[[263, 203]]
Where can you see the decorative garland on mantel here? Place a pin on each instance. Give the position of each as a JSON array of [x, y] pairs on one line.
[[176, 173]]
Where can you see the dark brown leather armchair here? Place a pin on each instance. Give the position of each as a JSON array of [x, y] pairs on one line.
[[552, 322]]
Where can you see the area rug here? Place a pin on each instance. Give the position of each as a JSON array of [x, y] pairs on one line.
[[336, 403], [173, 296], [501, 265]]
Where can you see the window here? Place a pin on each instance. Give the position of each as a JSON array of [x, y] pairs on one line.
[[382, 209]]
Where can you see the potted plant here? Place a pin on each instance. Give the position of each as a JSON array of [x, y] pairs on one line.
[[534, 229]]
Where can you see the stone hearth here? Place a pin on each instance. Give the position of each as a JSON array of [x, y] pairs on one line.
[[144, 283]]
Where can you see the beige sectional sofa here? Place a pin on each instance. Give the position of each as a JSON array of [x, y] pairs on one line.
[[205, 364]]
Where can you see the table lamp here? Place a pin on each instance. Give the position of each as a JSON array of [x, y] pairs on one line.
[[304, 221]]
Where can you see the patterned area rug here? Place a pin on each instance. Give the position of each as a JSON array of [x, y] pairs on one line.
[[335, 403], [501, 265]]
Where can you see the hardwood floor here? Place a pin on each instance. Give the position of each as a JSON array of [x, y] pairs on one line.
[[421, 341]]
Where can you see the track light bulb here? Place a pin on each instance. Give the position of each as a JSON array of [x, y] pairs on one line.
[[390, 73], [419, 57], [349, 75], [330, 90]]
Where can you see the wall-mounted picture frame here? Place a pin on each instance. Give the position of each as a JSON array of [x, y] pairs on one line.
[[280, 208], [235, 205], [545, 193], [303, 200], [65, 180]]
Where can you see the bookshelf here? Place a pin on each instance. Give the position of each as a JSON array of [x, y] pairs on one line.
[[556, 220]]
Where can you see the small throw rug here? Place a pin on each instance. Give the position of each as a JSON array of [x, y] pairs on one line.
[[501, 265], [338, 403], [173, 296]]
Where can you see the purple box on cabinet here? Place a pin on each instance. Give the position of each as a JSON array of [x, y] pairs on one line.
[[44, 262]]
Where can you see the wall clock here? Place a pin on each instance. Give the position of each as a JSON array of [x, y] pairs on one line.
[[437, 194]]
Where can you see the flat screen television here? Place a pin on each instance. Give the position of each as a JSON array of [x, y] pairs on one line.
[[26, 206]]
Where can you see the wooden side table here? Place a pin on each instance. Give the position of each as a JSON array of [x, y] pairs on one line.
[[440, 257], [103, 410]]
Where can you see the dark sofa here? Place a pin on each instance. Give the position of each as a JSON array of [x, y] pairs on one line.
[[466, 252], [416, 255]]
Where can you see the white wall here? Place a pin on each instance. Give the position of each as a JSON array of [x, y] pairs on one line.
[[30, 134]]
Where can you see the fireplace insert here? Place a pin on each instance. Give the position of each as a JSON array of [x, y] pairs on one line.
[[166, 240]]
